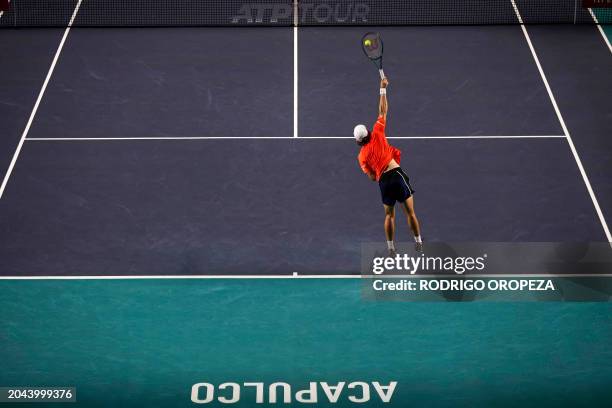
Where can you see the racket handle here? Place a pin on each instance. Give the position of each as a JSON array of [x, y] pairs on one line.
[[382, 74]]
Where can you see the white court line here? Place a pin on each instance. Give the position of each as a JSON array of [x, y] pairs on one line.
[[233, 277], [601, 31], [70, 139], [602, 220], [40, 96], [295, 68]]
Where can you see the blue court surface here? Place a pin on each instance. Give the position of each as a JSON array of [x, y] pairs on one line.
[[184, 205]]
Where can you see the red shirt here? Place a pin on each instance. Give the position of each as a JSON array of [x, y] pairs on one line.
[[374, 157]]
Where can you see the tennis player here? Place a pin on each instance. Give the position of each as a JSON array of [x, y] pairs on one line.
[[380, 161]]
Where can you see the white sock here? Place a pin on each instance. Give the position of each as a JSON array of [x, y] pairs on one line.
[[390, 245], [418, 239]]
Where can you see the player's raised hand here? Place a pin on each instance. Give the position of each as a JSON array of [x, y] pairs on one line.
[[384, 82]]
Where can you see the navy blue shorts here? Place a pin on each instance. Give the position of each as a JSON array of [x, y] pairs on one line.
[[395, 186]]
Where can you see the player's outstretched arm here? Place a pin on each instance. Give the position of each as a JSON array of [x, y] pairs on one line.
[[383, 106]]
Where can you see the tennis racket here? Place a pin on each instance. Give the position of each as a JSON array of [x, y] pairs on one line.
[[372, 46]]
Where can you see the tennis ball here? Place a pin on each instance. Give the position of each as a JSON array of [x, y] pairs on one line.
[[367, 43]]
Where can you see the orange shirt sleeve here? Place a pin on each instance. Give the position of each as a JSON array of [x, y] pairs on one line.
[[379, 126]]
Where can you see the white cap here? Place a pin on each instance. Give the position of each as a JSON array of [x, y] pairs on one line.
[[360, 132]]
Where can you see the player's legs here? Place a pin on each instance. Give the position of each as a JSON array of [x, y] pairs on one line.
[[413, 222], [389, 221], [390, 227]]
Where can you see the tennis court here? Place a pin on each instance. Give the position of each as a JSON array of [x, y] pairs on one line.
[[226, 152]]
